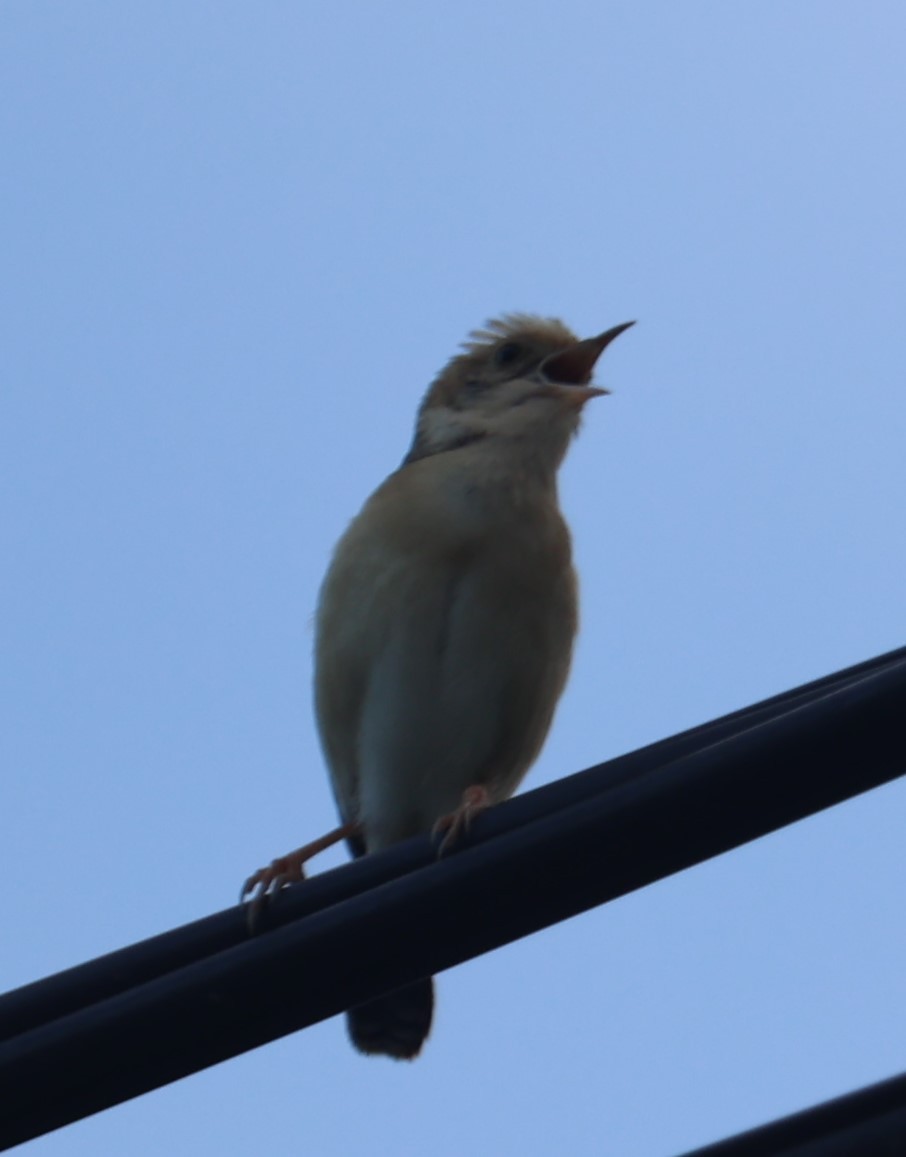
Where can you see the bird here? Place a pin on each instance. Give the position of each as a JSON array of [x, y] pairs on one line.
[[446, 620]]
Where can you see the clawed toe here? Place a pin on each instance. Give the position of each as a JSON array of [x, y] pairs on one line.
[[282, 871], [456, 824], [267, 882], [264, 884]]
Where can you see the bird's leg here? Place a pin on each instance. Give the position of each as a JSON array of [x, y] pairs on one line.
[[289, 869], [455, 824]]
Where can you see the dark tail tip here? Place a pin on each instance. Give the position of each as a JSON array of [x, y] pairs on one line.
[[395, 1025]]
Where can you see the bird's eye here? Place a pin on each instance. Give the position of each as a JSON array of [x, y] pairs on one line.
[[508, 353]]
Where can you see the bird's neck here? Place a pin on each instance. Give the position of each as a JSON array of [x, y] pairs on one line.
[[526, 461]]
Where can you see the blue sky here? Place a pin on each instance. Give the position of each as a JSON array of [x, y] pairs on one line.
[[237, 242]]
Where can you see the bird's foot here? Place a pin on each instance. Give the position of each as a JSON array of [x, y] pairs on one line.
[[456, 824], [288, 869]]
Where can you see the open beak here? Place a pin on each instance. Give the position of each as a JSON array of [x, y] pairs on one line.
[[573, 367]]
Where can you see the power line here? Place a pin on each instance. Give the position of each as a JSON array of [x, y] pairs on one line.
[[119, 1026], [867, 1123]]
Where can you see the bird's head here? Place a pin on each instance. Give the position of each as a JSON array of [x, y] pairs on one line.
[[521, 380]]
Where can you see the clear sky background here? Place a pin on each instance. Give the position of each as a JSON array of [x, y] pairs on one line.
[[237, 242]]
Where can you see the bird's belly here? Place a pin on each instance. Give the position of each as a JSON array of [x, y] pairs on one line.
[[462, 693]]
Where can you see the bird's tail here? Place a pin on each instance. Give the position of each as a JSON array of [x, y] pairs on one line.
[[396, 1025]]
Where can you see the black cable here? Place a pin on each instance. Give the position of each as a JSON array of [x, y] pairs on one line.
[[34, 1004], [545, 856], [868, 1123]]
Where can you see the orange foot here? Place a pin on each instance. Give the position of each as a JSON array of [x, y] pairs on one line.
[[289, 869], [475, 799]]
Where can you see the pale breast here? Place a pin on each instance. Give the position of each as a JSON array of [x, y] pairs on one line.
[[441, 653]]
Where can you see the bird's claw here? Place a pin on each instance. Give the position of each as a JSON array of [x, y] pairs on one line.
[[456, 824], [266, 881], [264, 884]]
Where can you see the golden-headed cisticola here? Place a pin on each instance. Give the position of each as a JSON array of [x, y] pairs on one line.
[[446, 620]]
